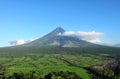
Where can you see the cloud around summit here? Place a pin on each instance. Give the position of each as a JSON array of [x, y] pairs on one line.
[[92, 36]]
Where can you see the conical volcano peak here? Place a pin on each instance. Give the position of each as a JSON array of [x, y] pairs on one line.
[[58, 39], [55, 32], [59, 30]]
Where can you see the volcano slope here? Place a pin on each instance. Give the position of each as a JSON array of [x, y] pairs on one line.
[[57, 53]]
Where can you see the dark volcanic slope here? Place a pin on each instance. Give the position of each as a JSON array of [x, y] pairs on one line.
[[54, 39], [54, 42]]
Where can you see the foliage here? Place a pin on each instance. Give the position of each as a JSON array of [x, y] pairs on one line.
[[62, 75], [100, 65]]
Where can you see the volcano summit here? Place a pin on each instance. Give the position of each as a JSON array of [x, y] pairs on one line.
[[55, 38]]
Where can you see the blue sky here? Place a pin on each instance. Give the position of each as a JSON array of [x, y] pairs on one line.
[[31, 19]]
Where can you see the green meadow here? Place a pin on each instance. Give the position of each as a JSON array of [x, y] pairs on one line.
[[43, 64]]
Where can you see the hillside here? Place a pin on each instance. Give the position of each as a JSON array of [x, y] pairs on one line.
[[55, 56], [53, 42]]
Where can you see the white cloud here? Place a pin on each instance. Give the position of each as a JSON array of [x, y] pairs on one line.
[[87, 36], [19, 42], [107, 43]]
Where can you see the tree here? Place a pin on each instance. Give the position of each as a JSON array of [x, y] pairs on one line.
[[62, 75]]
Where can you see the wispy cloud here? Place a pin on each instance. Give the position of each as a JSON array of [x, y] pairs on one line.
[[92, 36], [19, 42]]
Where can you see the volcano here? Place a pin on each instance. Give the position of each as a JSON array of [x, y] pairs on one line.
[[56, 39], [56, 42]]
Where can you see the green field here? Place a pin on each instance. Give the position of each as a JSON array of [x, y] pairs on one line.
[[43, 64]]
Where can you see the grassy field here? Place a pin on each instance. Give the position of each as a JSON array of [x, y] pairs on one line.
[[46, 63]]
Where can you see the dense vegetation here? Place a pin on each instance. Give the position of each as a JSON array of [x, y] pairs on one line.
[[59, 63], [32, 75], [58, 66]]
